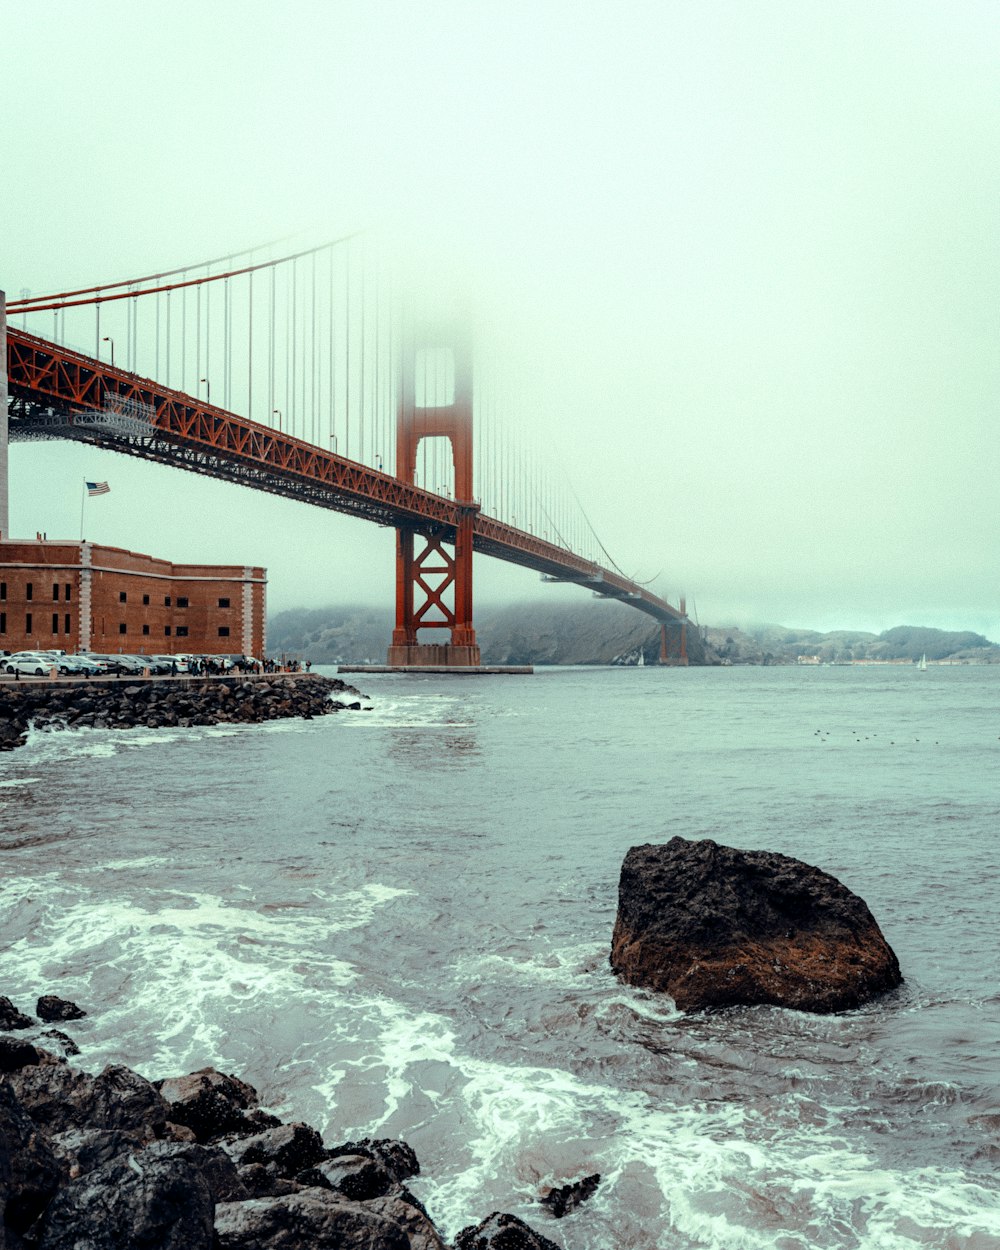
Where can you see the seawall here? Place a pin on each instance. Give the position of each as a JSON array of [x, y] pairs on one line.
[[158, 702]]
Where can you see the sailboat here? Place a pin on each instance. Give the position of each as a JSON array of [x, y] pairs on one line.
[[922, 664]]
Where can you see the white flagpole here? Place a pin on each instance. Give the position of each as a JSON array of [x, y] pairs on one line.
[[82, 502]]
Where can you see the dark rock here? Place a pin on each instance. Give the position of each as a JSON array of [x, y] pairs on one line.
[[713, 927], [564, 1198], [315, 1219], [30, 1170], [210, 1103], [11, 1018], [355, 1176], [84, 1149], [132, 1202], [59, 1098], [402, 1209], [502, 1232], [212, 1162], [65, 1043], [15, 1054], [52, 1009], [395, 1156], [290, 1148], [264, 1182]]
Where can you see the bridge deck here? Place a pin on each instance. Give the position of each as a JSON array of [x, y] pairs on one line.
[[59, 393]]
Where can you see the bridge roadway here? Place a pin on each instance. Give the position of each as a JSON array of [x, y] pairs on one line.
[[59, 393]]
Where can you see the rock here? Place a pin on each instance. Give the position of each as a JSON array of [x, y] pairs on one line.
[[315, 1219], [502, 1232], [210, 1103], [564, 1198], [290, 1149], [405, 1211], [264, 1182], [133, 1201], [11, 1018], [84, 1149], [713, 927], [53, 1010], [30, 1170], [65, 1043], [212, 1162], [59, 1098], [355, 1176], [395, 1156], [15, 1054]]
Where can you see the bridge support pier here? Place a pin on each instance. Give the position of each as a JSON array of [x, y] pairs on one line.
[[442, 580], [680, 659]]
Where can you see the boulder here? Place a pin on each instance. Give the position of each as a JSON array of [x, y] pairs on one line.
[[210, 1103], [355, 1176], [715, 927], [53, 1010], [286, 1150], [561, 1199], [84, 1149], [315, 1219], [133, 1201], [15, 1054], [11, 1018], [397, 1157], [30, 1170], [59, 1098], [500, 1231], [403, 1210]]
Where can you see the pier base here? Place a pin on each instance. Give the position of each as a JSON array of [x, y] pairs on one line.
[[435, 654]]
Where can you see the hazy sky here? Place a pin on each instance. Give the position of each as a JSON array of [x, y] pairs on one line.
[[754, 246]]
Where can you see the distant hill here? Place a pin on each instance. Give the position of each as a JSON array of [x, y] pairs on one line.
[[610, 633]]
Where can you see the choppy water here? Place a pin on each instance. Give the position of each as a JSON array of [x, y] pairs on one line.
[[397, 923]]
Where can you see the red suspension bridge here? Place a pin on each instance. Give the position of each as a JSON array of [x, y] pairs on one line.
[[324, 372]]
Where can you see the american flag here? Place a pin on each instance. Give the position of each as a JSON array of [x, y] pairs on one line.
[[97, 488]]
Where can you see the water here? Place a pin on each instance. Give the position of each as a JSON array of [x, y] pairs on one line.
[[397, 923]]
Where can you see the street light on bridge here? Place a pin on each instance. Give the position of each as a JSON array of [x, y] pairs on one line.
[[208, 390], [276, 412], [112, 342]]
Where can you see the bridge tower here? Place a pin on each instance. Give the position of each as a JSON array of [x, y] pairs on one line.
[[428, 578], [4, 517]]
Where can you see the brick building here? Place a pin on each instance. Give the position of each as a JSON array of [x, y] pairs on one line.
[[80, 596]]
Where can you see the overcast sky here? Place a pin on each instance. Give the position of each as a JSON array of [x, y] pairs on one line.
[[754, 246]]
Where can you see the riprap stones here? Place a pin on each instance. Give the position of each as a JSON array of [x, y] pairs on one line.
[[713, 926]]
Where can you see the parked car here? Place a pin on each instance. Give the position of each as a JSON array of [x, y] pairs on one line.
[[75, 665], [121, 663], [170, 663], [30, 663]]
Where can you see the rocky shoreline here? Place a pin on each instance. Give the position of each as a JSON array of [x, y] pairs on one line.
[[167, 702], [114, 1161]]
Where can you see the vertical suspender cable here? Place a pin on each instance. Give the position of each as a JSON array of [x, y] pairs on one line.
[[361, 370], [197, 340], [312, 368], [270, 357], [332, 407], [347, 352]]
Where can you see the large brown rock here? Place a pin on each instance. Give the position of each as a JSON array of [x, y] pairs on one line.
[[714, 927]]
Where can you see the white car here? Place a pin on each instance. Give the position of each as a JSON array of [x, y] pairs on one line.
[[31, 663]]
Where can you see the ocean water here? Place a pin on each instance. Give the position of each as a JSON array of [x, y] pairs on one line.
[[397, 923]]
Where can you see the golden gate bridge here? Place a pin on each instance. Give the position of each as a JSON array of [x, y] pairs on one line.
[[308, 375]]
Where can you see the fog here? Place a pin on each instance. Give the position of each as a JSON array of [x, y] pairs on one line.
[[745, 258]]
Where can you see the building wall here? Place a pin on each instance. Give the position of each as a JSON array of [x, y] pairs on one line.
[[86, 597]]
